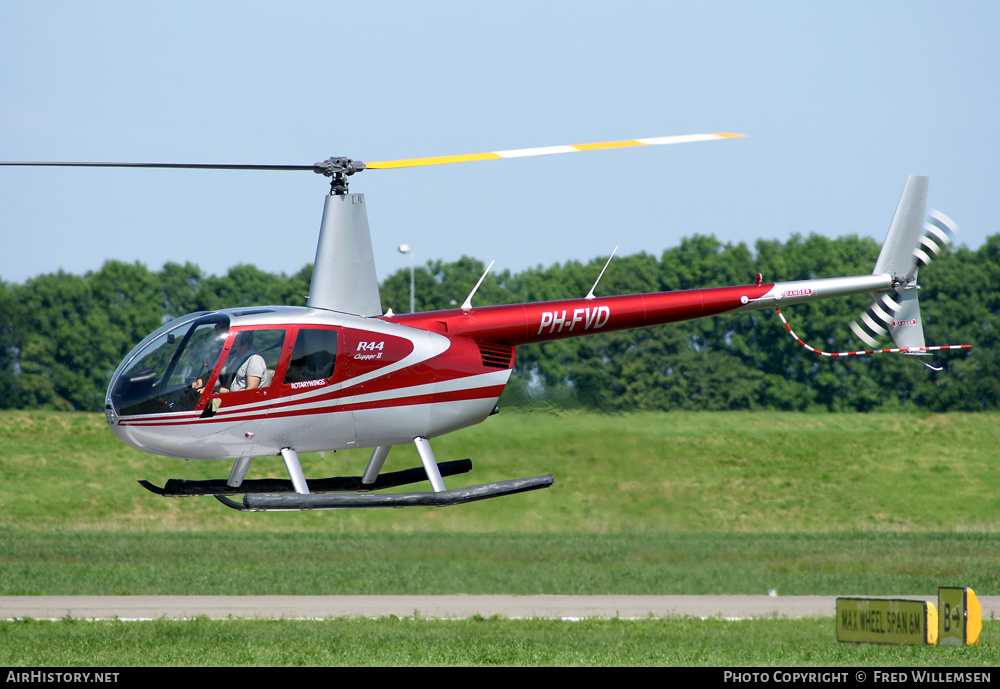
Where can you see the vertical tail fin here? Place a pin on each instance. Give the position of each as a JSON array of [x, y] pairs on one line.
[[909, 245], [897, 257], [906, 249]]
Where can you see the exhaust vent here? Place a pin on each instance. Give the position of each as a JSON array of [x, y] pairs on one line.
[[496, 355]]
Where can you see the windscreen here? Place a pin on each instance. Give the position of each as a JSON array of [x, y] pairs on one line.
[[160, 376]]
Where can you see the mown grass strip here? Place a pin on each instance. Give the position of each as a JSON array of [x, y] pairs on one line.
[[309, 563], [388, 642]]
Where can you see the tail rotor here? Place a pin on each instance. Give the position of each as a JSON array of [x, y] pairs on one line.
[[939, 232], [875, 321], [910, 245], [898, 313]]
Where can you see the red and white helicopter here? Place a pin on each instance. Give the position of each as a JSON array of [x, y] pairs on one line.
[[338, 373]]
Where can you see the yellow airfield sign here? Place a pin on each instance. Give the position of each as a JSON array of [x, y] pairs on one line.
[[961, 616], [886, 621]]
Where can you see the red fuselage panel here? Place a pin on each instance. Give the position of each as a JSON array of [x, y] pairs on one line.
[[518, 324]]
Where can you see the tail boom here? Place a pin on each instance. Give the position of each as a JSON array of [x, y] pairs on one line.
[[892, 286], [519, 324]]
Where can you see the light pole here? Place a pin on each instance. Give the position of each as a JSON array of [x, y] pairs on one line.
[[405, 249]]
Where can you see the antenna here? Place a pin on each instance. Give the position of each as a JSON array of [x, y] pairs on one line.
[[467, 304], [590, 294]]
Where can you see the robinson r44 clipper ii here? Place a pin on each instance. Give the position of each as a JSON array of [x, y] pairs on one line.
[[339, 373]]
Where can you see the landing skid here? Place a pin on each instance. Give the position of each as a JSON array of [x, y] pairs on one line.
[[180, 488], [295, 501], [272, 494]]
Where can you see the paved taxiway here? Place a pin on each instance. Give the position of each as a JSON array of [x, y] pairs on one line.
[[451, 606]]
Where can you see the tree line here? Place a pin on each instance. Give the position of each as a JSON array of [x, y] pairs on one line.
[[63, 335]]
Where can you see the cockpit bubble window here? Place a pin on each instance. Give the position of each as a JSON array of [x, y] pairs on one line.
[[159, 377], [314, 355], [201, 351]]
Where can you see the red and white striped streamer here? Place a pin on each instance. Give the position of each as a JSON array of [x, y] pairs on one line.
[[897, 350]]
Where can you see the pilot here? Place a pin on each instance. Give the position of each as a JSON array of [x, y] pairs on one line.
[[252, 367]]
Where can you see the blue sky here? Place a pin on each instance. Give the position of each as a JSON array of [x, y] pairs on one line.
[[840, 101]]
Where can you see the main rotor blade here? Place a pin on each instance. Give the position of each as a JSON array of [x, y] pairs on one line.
[[196, 166], [346, 166], [547, 150]]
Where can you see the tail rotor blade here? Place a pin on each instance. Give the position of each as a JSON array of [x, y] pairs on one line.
[[873, 323], [883, 317], [939, 232]]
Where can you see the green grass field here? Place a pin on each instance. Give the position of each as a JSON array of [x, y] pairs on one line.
[[879, 504], [308, 563], [646, 472], [683, 641]]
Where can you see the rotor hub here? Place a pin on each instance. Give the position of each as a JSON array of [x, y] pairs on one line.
[[339, 169]]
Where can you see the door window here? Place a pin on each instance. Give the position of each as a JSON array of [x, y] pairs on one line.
[[252, 361], [314, 355]]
